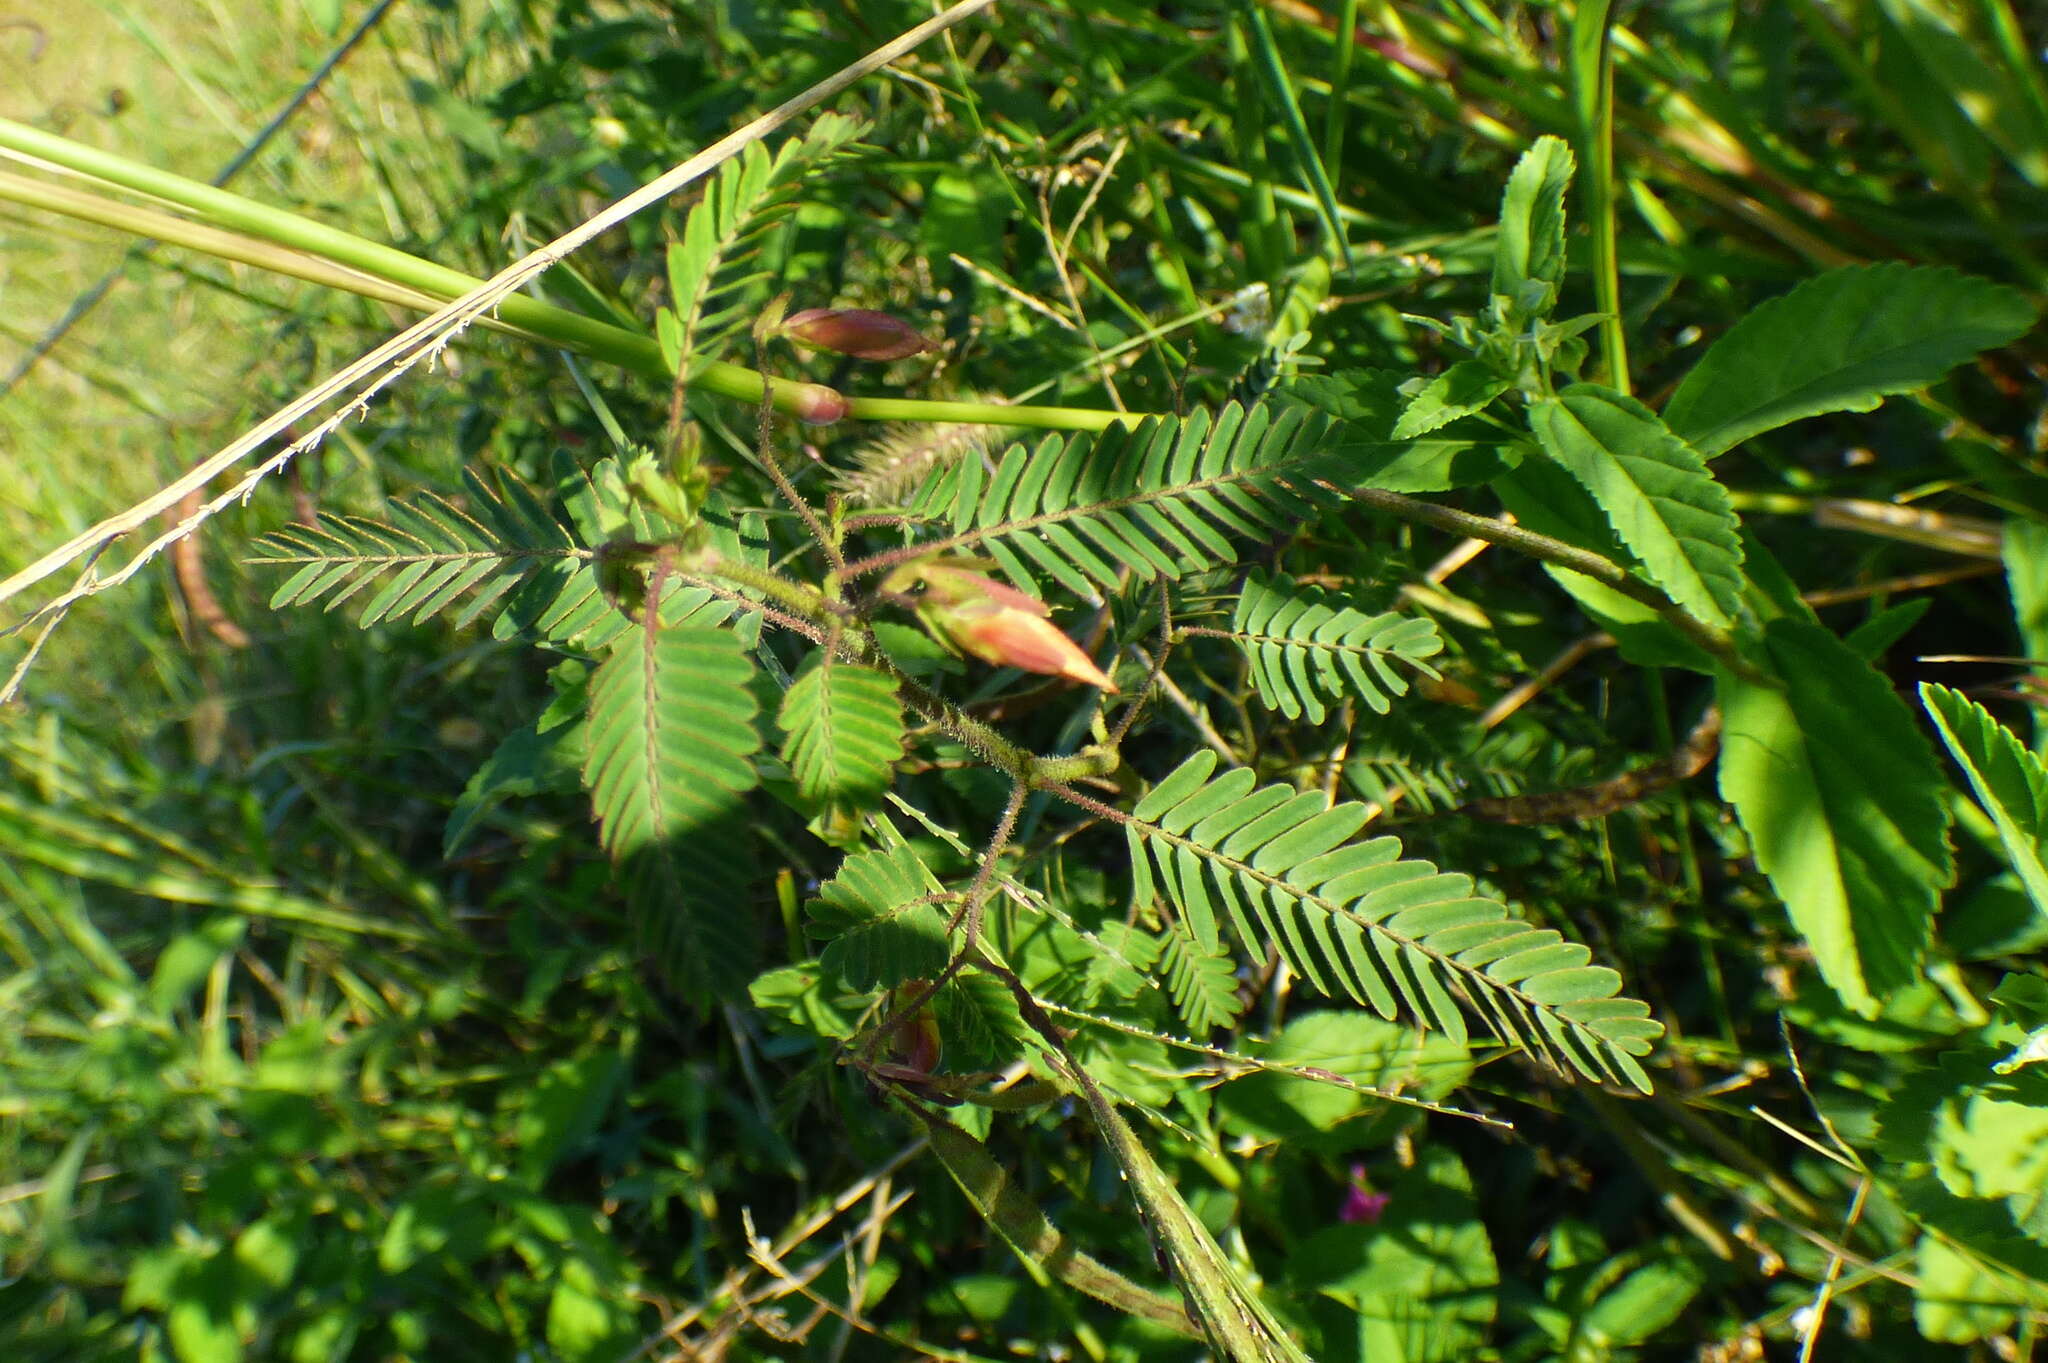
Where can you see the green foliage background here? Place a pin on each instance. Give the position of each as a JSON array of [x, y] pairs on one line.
[[337, 1026]]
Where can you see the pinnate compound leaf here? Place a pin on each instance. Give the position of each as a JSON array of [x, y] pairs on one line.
[[1842, 341], [1281, 869], [2010, 782], [1203, 983], [1656, 491], [1163, 498], [1841, 798], [668, 764], [882, 919], [712, 276], [1308, 646], [844, 730], [427, 554]]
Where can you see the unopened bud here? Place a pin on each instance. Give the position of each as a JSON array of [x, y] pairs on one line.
[[859, 332], [816, 405], [986, 619]]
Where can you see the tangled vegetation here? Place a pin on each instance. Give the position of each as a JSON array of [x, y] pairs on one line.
[[1265, 681]]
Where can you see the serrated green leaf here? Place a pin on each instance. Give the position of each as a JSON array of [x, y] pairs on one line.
[[1656, 491], [1466, 387], [1842, 802], [1528, 253], [2011, 783], [1843, 341]]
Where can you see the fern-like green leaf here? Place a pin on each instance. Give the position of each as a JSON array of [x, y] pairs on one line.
[[1203, 983], [1656, 491], [1163, 497], [845, 732], [2011, 783], [1307, 646], [671, 735], [982, 1025], [883, 920], [428, 554], [668, 764], [1353, 918], [714, 284]]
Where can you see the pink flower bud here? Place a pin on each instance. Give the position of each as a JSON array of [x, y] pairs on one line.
[[992, 621], [859, 332], [1361, 1202], [817, 405], [1016, 638]]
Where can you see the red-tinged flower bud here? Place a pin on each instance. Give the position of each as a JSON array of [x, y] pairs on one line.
[[1016, 638], [989, 620], [859, 332], [816, 405], [917, 1045]]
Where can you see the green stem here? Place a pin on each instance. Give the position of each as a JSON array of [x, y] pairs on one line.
[[1593, 94], [626, 348], [1016, 1217], [1548, 550]]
